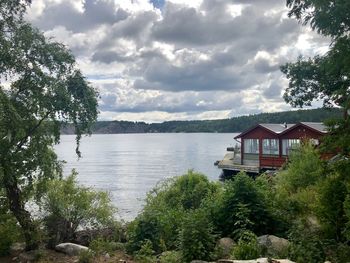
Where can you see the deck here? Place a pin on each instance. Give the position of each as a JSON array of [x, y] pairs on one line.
[[232, 162]]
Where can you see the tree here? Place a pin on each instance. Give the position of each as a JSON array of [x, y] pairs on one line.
[[324, 77], [40, 88]]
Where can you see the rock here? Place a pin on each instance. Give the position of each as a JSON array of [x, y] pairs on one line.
[[199, 261], [259, 260], [272, 245], [17, 248], [225, 246], [28, 256], [70, 249], [107, 256], [282, 261]]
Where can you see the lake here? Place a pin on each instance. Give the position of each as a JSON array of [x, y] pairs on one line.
[[130, 165]]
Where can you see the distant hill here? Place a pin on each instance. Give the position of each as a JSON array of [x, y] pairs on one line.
[[236, 124]]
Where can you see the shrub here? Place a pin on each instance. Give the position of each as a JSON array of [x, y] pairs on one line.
[[101, 246], [171, 257], [247, 247], [166, 206], [69, 206], [197, 239], [146, 253], [243, 206], [86, 256], [9, 233]]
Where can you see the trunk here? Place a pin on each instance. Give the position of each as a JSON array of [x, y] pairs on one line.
[[23, 216]]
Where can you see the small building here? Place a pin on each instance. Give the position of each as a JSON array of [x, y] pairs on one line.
[[267, 146]]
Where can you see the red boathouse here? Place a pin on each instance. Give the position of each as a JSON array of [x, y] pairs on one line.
[[267, 146]]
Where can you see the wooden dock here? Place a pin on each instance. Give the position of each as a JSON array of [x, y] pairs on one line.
[[232, 162]]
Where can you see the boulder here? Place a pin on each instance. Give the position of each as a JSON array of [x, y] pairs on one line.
[[272, 245], [259, 260], [70, 249], [225, 246]]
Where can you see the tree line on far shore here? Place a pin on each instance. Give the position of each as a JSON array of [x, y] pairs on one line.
[[236, 124]]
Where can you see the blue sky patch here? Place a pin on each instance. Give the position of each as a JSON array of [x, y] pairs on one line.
[[158, 3]]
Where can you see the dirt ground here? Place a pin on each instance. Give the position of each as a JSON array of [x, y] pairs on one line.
[[53, 256]]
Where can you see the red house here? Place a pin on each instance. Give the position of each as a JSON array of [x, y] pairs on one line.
[[267, 146]]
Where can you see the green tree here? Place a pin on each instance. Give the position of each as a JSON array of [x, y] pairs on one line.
[[242, 207], [324, 77], [166, 207], [40, 88], [69, 206]]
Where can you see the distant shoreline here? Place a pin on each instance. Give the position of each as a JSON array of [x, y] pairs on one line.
[[231, 125]]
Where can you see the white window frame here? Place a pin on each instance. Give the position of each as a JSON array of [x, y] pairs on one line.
[[270, 147], [251, 146], [289, 145]]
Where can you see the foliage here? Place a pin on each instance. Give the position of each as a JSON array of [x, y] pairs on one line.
[[324, 77], [197, 239], [312, 195], [43, 89], [9, 233], [247, 247], [102, 246], [86, 256], [69, 206], [146, 253], [306, 244], [165, 209], [296, 186], [171, 257], [243, 207], [331, 207]]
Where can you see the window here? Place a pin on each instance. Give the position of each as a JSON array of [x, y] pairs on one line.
[[271, 146], [251, 146], [288, 145]]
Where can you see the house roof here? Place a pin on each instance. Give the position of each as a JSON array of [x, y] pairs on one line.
[[284, 128], [318, 126], [276, 128]]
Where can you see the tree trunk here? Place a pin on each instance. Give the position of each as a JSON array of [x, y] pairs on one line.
[[23, 216]]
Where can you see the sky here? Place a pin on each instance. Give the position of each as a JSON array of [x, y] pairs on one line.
[[161, 60]]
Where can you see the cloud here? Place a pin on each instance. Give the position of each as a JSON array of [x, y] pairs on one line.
[[168, 59]]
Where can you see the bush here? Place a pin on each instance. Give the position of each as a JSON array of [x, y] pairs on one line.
[[101, 246], [166, 206], [69, 206], [146, 253], [247, 247], [243, 206], [86, 256], [171, 257], [197, 239], [10, 232]]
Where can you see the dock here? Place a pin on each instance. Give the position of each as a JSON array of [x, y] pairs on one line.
[[232, 162]]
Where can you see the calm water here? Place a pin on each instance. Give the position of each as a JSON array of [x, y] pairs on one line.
[[129, 165]]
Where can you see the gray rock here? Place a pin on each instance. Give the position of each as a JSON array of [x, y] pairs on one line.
[[225, 246], [17, 248], [259, 260], [273, 246], [199, 261], [70, 249]]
